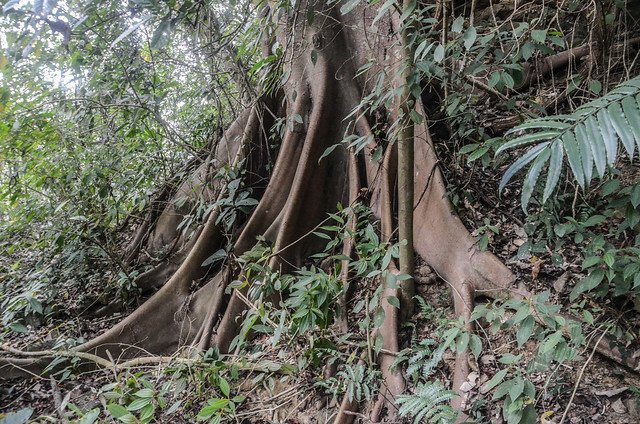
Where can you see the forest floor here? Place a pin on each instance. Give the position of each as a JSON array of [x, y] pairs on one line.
[[605, 392]]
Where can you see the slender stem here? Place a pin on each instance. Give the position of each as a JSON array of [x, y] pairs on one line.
[[405, 168], [472, 12], [580, 374]]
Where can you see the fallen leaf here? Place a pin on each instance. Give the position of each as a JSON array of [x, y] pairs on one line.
[[612, 392], [619, 407]]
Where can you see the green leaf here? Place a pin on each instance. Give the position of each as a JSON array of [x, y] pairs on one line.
[[588, 283], [213, 406], [478, 153], [594, 220], [174, 407], [525, 330], [516, 388], [527, 50], [622, 127], [116, 410], [144, 393], [631, 109], [458, 25], [468, 148], [550, 342], [496, 379], [608, 258], [529, 415], [573, 155], [378, 317], [609, 136], [462, 342], [588, 317], [438, 53], [510, 359], [541, 124], [555, 168], [218, 256], [521, 163], [595, 86], [525, 140], [470, 37], [383, 9], [508, 80], [532, 178], [161, 34], [635, 195], [590, 261], [539, 35], [18, 328], [393, 301], [18, 417], [415, 116], [589, 136], [348, 6], [224, 386], [596, 141], [138, 404], [408, 10], [146, 414], [475, 345]]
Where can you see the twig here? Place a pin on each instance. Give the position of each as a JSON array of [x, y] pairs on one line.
[[575, 387], [486, 88], [57, 400], [356, 414]]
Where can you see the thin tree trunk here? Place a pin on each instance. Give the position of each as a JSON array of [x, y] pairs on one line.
[[405, 169]]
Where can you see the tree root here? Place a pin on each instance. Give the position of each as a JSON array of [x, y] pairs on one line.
[[156, 360]]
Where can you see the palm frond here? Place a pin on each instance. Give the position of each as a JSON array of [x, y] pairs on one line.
[[589, 137]]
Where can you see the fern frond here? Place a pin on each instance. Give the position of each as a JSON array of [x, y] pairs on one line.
[[432, 363], [589, 137], [425, 358], [358, 381], [428, 404]]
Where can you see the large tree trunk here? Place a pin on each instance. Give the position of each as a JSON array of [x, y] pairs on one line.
[[191, 308]]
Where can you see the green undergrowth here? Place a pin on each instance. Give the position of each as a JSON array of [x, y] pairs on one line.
[[288, 337]]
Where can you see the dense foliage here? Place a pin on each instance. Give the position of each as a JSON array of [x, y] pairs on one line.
[[99, 105]]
